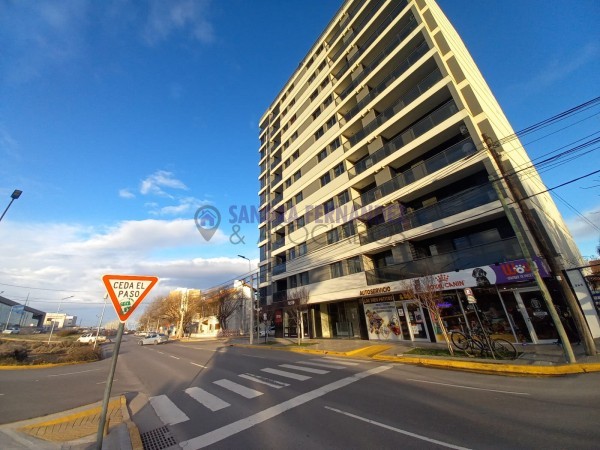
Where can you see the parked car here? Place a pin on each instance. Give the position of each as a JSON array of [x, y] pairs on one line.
[[90, 338], [271, 331], [12, 330], [154, 338]]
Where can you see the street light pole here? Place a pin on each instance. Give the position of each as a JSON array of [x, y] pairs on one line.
[[57, 311], [100, 323], [251, 302], [15, 195]]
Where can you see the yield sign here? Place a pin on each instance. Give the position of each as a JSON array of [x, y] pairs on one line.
[[127, 292]]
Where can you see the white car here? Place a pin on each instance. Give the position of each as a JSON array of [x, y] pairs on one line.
[[90, 338], [154, 338]]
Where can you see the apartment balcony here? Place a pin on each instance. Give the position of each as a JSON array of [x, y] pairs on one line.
[[400, 69], [279, 296], [423, 86], [279, 269], [456, 204], [276, 199], [486, 254], [278, 244], [377, 33], [456, 152]]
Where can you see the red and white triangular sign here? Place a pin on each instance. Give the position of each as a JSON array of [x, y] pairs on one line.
[[127, 292]]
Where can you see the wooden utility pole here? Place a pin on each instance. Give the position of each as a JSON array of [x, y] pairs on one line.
[[544, 250]]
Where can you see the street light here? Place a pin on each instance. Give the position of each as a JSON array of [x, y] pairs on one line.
[[249, 262], [57, 311], [15, 195]]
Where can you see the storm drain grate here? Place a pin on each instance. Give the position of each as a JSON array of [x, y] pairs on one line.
[[158, 439]]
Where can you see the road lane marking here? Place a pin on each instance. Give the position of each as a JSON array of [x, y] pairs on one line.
[[104, 382], [264, 380], [199, 365], [174, 357], [397, 430], [304, 369], [468, 387], [162, 353], [283, 373], [212, 402], [347, 362], [226, 431], [238, 388], [318, 364], [72, 373], [167, 411]]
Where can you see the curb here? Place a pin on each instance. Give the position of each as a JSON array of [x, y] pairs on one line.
[[374, 352], [134, 432]]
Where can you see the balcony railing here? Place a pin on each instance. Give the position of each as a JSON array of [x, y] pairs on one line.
[[452, 154], [400, 104], [401, 68], [279, 296], [279, 269], [374, 35], [464, 201], [351, 13], [486, 254], [278, 244]]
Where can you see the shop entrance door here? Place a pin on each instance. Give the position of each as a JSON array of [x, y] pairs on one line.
[[417, 327], [537, 316]]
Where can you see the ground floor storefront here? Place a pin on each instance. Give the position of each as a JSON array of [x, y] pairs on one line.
[[503, 299]]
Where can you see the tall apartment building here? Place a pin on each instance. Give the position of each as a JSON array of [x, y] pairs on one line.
[[374, 173]]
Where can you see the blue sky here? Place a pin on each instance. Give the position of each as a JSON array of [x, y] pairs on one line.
[[118, 119]]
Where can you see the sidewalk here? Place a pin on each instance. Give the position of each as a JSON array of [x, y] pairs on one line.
[[76, 429]]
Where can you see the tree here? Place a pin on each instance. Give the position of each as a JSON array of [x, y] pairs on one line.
[[299, 303], [223, 303], [178, 308], [424, 289]]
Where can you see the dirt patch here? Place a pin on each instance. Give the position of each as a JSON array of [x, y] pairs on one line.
[[25, 353]]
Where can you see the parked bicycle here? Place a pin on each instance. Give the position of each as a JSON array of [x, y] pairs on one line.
[[481, 344]]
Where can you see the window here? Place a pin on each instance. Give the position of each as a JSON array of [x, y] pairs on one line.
[[302, 249], [339, 169], [348, 229], [336, 269], [289, 204], [297, 176], [291, 227], [303, 278], [293, 281], [333, 236], [334, 144], [328, 101], [354, 265], [322, 155], [314, 95], [292, 254], [343, 198], [325, 179], [328, 206], [298, 197], [288, 183], [330, 122], [319, 133], [300, 222]]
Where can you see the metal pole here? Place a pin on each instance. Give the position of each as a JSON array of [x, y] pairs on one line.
[[100, 323], [252, 311], [109, 381], [8, 320]]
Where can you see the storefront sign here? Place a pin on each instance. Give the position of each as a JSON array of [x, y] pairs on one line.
[[379, 290], [378, 299]]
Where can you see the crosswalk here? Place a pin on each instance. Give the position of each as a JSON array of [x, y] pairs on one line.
[[271, 377]]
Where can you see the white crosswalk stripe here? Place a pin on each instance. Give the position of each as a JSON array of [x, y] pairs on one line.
[[347, 362], [238, 388], [325, 365], [167, 411], [212, 402], [283, 373], [304, 369], [263, 380]]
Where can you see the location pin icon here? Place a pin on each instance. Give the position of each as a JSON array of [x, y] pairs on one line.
[[207, 220]]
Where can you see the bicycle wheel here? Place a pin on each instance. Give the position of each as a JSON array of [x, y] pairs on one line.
[[459, 340], [504, 349], [474, 348]]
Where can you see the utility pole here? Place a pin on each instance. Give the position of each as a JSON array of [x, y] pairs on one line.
[[555, 268], [182, 311]]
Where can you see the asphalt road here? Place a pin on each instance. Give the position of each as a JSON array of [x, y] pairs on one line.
[[209, 394]]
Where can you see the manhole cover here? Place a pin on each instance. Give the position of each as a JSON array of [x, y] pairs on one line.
[[158, 439]]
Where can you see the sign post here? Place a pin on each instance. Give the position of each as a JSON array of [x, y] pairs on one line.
[[126, 293]]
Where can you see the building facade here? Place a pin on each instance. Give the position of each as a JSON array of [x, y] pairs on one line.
[[375, 178]]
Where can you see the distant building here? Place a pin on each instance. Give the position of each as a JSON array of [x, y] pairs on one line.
[[13, 313], [61, 320]]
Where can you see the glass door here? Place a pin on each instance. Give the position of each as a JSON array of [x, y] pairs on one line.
[[537, 314], [416, 321]]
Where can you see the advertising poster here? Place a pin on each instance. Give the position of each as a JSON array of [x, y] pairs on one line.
[[382, 319]]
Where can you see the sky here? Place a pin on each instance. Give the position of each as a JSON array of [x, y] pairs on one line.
[[119, 119]]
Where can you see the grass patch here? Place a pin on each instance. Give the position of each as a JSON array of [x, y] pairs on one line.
[[28, 353], [433, 352]]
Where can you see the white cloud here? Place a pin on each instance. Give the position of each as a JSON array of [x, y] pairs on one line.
[[178, 16], [154, 183], [71, 259], [581, 229], [186, 205], [126, 193]]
